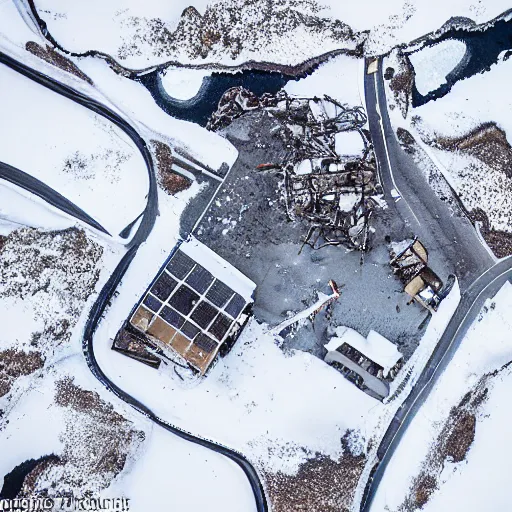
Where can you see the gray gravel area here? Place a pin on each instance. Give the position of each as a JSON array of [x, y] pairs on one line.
[[247, 225]]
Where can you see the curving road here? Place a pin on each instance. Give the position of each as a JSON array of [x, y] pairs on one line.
[[48, 194], [461, 248], [151, 210], [447, 233], [106, 294]]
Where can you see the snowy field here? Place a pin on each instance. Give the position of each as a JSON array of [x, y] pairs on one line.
[[338, 77], [481, 98], [226, 32], [143, 34], [397, 22], [268, 397], [76, 152], [462, 485]]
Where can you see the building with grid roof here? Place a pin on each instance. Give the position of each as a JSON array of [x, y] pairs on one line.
[[197, 303]]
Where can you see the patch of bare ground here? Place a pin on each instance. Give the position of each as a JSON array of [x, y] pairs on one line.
[[500, 242], [97, 441], [489, 181], [17, 363], [320, 485], [52, 272], [229, 27], [452, 444], [401, 82], [487, 142], [169, 180], [52, 56]]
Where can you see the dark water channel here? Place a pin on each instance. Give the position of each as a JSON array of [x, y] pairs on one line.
[[13, 481], [199, 108], [483, 47]]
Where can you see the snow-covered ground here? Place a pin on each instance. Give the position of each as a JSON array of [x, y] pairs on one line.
[[227, 31], [397, 22], [338, 78], [172, 474], [143, 34], [130, 99], [183, 83], [135, 101], [76, 152], [267, 397], [462, 485], [433, 63], [478, 170], [481, 98], [19, 208]]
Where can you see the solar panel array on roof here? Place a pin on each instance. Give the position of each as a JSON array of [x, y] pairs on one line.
[[205, 343], [152, 303], [219, 293], [204, 314], [184, 299], [199, 279], [172, 317], [163, 286], [220, 326], [190, 330], [180, 265], [235, 305], [189, 309]]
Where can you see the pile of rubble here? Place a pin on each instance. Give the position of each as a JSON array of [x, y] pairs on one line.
[[326, 182], [409, 260]]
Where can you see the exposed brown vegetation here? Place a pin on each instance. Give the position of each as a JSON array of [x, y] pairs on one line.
[[230, 27], [16, 363], [169, 180], [452, 444], [487, 142], [500, 242], [52, 56], [97, 442], [29, 484], [56, 272], [31, 258], [320, 485], [425, 486], [406, 140], [402, 82]]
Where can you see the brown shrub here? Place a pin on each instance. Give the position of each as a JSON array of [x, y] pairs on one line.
[[169, 180], [51, 56], [320, 485], [16, 363]]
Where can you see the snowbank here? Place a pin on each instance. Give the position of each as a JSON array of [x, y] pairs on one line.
[[433, 63], [135, 101], [349, 144], [227, 32], [476, 169], [338, 78], [476, 100], [19, 208], [167, 475], [182, 83]]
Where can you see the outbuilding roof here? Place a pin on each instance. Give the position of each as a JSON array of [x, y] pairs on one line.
[[375, 347]]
